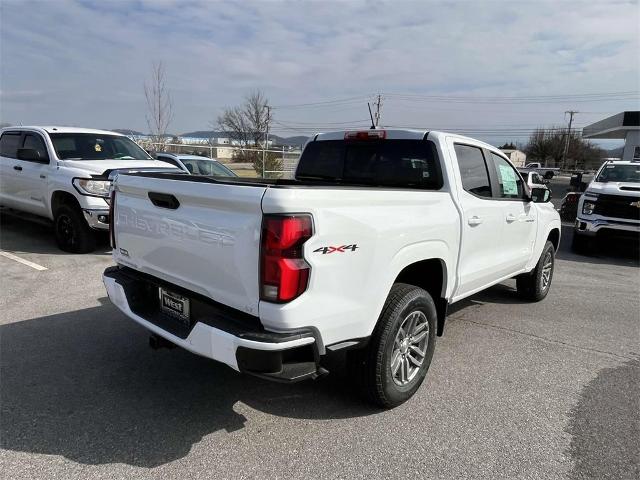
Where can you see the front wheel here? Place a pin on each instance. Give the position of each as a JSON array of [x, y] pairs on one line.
[[535, 285], [393, 365], [72, 232]]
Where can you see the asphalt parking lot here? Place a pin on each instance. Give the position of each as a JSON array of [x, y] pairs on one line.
[[516, 390]]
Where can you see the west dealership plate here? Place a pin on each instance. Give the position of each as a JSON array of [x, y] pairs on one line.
[[175, 305]]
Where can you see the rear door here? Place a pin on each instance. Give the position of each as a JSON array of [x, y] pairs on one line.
[[520, 216], [201, 235], [482, 220]]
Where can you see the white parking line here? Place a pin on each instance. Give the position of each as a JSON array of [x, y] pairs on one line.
[[11, 256]]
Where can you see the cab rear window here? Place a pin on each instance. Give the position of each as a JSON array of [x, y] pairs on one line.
[[381, 163]]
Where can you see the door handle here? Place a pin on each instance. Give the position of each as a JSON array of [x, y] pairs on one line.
[[43, 176], [473, 221], [17, 167], [511, 218]]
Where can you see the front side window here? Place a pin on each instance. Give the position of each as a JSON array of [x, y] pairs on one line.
[[9, 144], [473, 170], [92, 146], [510, 184], [35, 142]]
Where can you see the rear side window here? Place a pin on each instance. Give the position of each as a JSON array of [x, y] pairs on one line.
[[35, 142], [9, 144], [381, 163], [509, 182], [473, 170]]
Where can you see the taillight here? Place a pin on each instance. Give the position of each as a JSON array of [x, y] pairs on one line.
[[366, 135], [284, 274], [112, 220]]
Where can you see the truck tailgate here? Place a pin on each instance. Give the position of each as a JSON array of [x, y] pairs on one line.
[[207, 242]]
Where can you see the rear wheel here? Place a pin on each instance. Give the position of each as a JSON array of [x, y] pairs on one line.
[[72, 232], [535, 285], [393, 365]]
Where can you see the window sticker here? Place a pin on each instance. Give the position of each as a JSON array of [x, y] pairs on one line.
[[509, 183]]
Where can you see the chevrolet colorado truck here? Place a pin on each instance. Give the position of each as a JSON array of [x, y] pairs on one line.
[[379, 231], [63, 174], [609, 206]]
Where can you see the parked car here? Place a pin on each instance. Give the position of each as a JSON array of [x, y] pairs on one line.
[[363, 251], [610, 205], [197, 165], [64, 174], [546, 172]]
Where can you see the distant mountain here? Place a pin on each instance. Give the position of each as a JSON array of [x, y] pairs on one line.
[[614, 153], [126, 131]]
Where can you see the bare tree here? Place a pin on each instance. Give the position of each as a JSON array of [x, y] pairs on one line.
[[248, 124], [547, 146], [159, 105]]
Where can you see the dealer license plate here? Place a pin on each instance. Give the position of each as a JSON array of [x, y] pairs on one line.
[[174, 305]]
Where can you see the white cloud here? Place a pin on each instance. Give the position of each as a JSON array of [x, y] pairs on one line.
[[91, 59]]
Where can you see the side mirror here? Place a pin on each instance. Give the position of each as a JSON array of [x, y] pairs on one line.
[[540, 195], [31, 155]]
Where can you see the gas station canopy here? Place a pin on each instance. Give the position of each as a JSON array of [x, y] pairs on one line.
[[615, 126]]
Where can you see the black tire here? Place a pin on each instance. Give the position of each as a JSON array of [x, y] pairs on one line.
[[535, 285], [548, 175], [582, 244], [371, 366], [72, 232]]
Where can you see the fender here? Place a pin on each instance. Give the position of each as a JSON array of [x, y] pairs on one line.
[[408, 255], [541, 238]]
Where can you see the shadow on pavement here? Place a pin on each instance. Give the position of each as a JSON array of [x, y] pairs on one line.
[[86, 386], [605, 426], [33, 235], [610, 251]]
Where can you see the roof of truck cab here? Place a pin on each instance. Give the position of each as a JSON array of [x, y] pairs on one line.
[[406, 134], [56, 129]]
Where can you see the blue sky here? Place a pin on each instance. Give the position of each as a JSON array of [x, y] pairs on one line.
[[84, 63]]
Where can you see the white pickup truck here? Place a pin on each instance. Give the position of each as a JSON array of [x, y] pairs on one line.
[[364, 250], [546, 172], [610, 205], [63, 174]]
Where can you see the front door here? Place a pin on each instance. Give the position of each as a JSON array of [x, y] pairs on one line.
[[520, 216], [31, 181]]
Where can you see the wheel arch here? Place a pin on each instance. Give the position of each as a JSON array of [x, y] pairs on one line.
[[554, 237], [61, 197], [431, 275]]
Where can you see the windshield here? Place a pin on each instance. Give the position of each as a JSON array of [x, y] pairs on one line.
[[93, 146], [392, 163], [619, 173], [206, 167]]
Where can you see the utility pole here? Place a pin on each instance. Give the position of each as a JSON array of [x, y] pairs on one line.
[[567, 138], [378, 106], [266, 139]]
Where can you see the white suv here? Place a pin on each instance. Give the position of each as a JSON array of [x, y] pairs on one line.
[[64, 174]]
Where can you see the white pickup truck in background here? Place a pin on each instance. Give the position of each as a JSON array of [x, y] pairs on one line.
[[547, 172], [609, 206], [379, 232], [63, 174]]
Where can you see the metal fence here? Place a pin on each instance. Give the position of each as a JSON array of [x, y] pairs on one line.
[[288, 158]]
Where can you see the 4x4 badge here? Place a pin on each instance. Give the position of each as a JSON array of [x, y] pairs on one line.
[[341, 249]]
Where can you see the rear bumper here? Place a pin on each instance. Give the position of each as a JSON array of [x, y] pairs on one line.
[[217, 332], [593, 226]]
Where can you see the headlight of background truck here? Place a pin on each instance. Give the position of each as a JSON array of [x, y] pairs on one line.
[[588, 207], [96, 188]]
